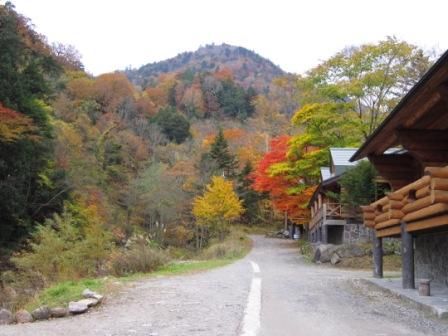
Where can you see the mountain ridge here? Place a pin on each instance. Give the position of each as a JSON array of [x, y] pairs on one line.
[[249, 69]]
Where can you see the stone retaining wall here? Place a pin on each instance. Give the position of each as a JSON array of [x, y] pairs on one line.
[[431, 257], [357, 233]]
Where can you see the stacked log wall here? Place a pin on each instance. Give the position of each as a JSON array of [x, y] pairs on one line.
[[422, 204]]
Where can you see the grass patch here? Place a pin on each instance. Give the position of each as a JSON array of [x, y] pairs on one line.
[[391, 263], [235, 247], [305, 249], [62, 293]]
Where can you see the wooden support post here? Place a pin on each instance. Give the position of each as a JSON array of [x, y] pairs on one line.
[[286, 220], [324, 234], [377, 257], [407, 256]]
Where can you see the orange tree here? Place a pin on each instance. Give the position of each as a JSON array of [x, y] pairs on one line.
[[288, 194]]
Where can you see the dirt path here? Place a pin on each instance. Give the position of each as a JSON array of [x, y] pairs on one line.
[[294, 298]]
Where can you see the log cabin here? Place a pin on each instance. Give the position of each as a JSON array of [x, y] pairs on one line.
[[331, 222], [416, 210]]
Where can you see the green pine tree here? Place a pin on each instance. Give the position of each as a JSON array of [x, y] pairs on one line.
[[226, 162], [249, 197]]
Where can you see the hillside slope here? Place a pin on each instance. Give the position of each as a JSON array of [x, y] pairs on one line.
[[248, 68]]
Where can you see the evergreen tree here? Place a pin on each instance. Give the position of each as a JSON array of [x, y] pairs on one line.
[[225, 161], [249, 197], [173, 124]]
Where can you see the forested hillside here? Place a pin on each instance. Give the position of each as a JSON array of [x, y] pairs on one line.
[[114, 174], [249, 68]]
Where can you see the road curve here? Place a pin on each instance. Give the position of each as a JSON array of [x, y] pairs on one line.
[[271, 292]]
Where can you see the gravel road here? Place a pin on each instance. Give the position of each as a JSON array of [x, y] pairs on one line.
[[295, 299]]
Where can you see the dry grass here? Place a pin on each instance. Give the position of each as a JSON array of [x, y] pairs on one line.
[[391, 263], [236, 245]]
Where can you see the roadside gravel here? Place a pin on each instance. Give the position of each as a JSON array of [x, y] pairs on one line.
[[297, 299]]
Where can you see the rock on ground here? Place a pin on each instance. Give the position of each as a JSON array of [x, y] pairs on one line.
[[89, 294], [77, 307], [350, 251], [58, 312], [335, 259], [324, 252], [23, 316], [41, 313], [6, 317], [89, 302]]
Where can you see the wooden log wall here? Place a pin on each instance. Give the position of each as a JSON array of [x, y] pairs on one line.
[[422, 204]]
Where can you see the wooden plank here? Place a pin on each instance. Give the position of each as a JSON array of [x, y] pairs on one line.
[[382, 201], [369, 216], [439, 196], [382, 218], [389, 232], [421, 193], [395, 197], [441, 172], [417, 205], [396, 204], [367, 208], [388, 223], [426, 224], [430, 211], [394, 213], [438, 183], [416, 185]]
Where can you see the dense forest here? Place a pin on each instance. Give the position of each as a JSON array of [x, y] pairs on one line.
[[100, 168]]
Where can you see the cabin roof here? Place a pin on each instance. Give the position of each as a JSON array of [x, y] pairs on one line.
[[325, 173], [341, 156], [421, 108]]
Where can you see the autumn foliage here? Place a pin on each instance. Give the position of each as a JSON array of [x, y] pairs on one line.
[[14, 125], [219, 203], [278, 186]]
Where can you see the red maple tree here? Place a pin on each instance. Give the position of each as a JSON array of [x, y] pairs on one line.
[[278, 186]]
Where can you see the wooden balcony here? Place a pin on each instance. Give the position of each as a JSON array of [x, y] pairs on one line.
[[421, 206], [330, 211]]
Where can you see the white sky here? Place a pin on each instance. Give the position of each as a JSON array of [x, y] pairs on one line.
[[296, 35]]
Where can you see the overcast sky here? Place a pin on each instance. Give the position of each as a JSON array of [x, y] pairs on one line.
[[294, 34]]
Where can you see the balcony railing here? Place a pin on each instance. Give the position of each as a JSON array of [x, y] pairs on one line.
[[330, 211]]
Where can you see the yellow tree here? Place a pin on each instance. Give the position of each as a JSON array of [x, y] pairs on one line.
[[218, 206]]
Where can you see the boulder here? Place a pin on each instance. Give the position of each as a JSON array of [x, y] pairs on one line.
[[88, 294], [350, 251], [323, 253], [6, 317], [41, 313], [335, 259], [58, 312], [77, 307], [24, 316]]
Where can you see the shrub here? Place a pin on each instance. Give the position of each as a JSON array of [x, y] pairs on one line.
[[140, 257], [62, 249], [178, 236], [305, 248]]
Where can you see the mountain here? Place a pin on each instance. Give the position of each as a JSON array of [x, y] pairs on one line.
[[249, 69]]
